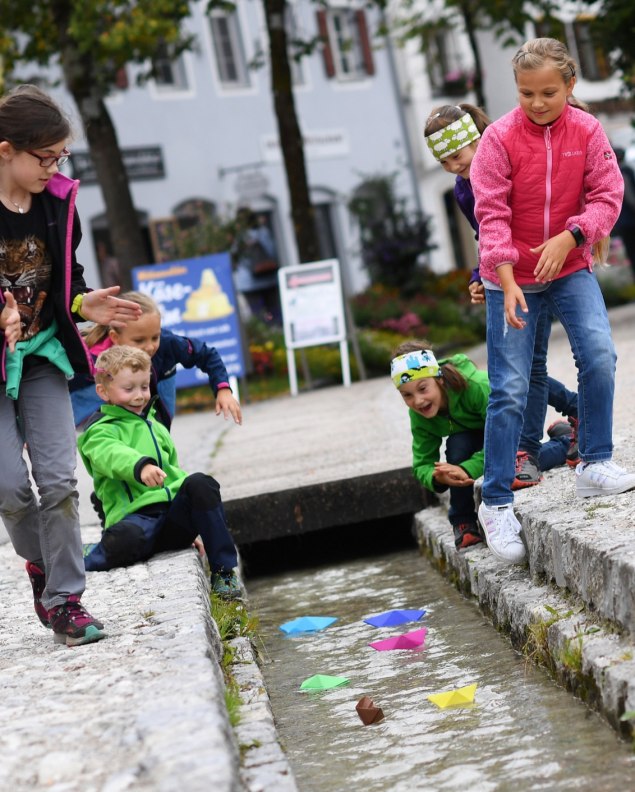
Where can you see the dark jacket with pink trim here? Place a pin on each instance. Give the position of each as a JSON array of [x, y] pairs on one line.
[[63, 234]]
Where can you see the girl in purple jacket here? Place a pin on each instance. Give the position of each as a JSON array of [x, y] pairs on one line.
[[548, 191], [452, 133]]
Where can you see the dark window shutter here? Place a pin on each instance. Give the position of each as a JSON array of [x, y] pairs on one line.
[[364, 40], [327, 52], [121, 79]]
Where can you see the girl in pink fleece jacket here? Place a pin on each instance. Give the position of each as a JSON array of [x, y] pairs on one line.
[[547, 193]]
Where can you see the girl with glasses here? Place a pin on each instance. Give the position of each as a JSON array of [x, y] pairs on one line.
[[42, 297]]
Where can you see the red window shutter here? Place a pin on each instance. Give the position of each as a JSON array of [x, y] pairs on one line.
[[327, 52], [121, 78], [364, 40]]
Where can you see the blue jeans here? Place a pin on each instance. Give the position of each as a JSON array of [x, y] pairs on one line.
[[577, 302], [458, 448], [544, 390]]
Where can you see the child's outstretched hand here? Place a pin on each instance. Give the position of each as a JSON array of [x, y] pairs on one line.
[[10, 320], [152, 475], [451, 475], [227, 404], [103, 307]]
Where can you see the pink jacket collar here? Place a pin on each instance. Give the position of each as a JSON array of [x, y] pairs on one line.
[[539, 129], [60, 186]]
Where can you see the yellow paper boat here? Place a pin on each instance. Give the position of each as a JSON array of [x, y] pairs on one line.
[[464, 695]]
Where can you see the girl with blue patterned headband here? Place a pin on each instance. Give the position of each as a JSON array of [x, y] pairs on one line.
[[446, 399]]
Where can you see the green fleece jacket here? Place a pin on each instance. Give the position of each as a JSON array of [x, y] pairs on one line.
[[466, 410], [115, 446]]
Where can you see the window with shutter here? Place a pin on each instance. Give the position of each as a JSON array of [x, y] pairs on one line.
[[170, 74], [229, 52], [594, 64], [346, 48]]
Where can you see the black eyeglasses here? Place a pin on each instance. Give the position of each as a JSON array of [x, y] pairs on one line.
[[46, 162]]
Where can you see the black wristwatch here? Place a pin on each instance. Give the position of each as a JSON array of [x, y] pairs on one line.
[[579, 237]]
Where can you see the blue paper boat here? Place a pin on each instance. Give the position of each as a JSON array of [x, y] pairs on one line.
[[307, 624], [394, 617]]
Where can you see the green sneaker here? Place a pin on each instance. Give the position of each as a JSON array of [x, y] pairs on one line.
[[226, 585]]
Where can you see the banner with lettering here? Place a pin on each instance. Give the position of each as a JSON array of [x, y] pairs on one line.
[[197, 299]]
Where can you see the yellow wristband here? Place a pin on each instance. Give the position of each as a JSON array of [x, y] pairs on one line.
[[76, 305]]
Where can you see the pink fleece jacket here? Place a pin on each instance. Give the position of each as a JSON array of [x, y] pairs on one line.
[[532, 182]]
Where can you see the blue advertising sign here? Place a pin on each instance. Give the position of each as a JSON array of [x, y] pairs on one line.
[[197, 299]]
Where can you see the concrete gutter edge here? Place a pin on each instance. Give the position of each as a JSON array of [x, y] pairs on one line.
[[592, 658], [264, 765]]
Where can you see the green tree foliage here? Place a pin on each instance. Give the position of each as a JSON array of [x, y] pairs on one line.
[[91, 41]]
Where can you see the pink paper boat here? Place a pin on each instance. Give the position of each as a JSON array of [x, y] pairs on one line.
[[411, 640]]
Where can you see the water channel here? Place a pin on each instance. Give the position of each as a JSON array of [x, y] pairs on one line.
[[523, 732]]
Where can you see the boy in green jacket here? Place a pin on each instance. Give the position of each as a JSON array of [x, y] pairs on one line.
[[150, 503]]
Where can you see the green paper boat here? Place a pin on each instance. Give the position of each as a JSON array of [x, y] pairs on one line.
[[323, 682]]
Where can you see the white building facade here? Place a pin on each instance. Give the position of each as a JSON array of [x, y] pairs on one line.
[[205, 131]]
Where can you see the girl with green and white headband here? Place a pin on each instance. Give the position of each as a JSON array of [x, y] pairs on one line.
[[452, 133]]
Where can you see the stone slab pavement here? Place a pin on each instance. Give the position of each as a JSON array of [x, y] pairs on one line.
[[143, 709]]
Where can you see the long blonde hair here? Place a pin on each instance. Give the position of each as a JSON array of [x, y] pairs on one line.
[[95, 334], [536, 53]]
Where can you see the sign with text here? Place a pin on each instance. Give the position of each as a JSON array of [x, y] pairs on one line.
[[318, 144], [142, 162], [197, 299], [312, 307], [313, 311]]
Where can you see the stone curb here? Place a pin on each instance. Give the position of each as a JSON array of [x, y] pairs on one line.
[[583, 545], [264, 765], [142, 709], [592, 658]]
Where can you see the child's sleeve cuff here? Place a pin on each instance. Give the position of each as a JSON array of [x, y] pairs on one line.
[[76, 305]]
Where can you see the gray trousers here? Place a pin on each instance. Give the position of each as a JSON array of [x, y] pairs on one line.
[[45, 532]]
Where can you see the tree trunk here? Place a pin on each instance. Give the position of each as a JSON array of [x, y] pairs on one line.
[[88, 89], [470, 29], [129, 247], [291, 142]]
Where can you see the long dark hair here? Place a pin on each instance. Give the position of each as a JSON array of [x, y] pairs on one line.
[[30, 119]]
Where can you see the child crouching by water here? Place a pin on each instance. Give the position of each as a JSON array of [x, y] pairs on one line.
[[446, 399], [150, 503]]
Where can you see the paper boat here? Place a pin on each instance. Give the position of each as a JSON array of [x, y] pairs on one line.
[[464, 695], [368, 711], [307, 624], [394, 617], [323, 682], [411, 640]]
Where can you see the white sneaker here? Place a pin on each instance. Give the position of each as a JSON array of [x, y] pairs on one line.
[[502, 532], [602, 478]]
